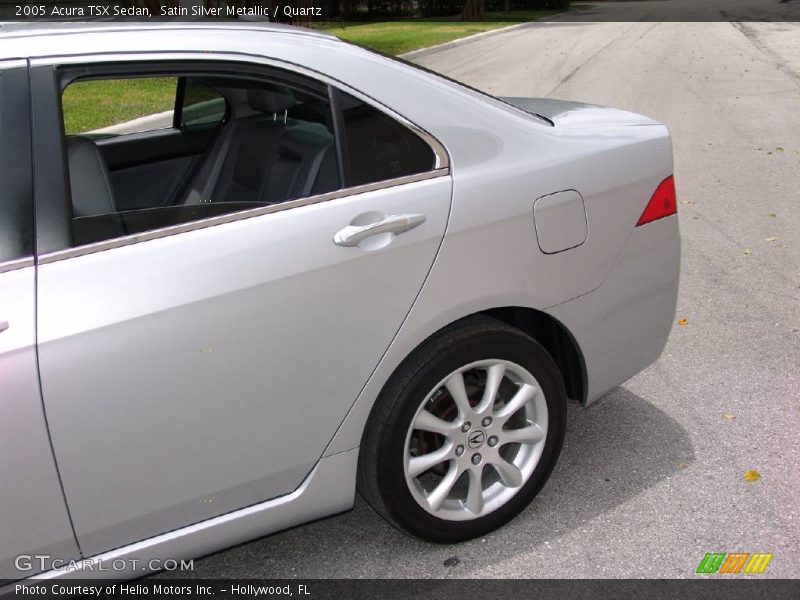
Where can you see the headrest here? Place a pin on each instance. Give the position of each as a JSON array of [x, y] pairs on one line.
[[270, 101]]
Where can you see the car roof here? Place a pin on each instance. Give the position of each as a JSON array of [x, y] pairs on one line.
[[20, 29]]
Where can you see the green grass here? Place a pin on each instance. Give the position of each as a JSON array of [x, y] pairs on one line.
[[397, 37], [94, 104]]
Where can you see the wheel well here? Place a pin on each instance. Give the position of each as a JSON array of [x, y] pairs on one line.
[[555, 338]]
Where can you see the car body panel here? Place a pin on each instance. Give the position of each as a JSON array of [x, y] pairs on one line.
[[328, 489], [181, 364], [33, 519]]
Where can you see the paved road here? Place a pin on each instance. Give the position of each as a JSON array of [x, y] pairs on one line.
[[651, 477]]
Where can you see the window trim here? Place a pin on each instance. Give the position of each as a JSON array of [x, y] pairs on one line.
[[160, 62]]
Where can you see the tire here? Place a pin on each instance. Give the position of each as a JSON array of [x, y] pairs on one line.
[[483, 496]]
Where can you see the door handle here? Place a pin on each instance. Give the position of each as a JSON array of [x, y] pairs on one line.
[[353, 235], [3, 326]]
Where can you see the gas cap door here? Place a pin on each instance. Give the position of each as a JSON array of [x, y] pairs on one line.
[[560, 221]]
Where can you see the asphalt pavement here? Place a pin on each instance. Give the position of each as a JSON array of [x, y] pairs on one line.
[[653, 475]]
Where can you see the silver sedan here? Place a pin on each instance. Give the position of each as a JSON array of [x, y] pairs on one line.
[[246, 270]]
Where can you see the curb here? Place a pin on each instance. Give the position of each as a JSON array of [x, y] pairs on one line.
[[154, 121], [470, 38]]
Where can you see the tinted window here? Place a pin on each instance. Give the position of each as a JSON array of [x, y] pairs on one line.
[[378, 147], [16, 211], [200, 104], [276, 145], [119, 106]]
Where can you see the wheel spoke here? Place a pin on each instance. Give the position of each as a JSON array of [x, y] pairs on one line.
[[531, 434], [510, 474], [474, 502], [419, 464], [494, 377], [426, 421], [525, 393], [441, 491], [455, 385]]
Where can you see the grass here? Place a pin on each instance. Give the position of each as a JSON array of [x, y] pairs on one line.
[[397, 37], [95, 104]]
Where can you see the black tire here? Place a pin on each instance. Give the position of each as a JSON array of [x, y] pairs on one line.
[[381, 475]]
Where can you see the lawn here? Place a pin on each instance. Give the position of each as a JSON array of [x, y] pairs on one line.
[[397, 37], [95, 104]]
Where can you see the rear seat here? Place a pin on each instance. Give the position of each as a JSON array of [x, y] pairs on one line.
[[266, 158]]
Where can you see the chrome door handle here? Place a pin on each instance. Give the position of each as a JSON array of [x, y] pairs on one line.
[[353, 235], [3, 326]]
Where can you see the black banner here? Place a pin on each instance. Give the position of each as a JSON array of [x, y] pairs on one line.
[[436, 589], [308, 11]]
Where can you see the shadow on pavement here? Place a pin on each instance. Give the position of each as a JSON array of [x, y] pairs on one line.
[[614, 450]]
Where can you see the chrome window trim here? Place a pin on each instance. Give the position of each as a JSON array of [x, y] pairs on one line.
[[127, 240], [17, 263]]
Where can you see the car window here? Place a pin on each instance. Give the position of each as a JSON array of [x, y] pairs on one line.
[[379, 147], [200, 105], [118, 106], [275, 144]]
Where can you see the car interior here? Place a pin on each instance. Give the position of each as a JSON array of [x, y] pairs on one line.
[[273, 143]]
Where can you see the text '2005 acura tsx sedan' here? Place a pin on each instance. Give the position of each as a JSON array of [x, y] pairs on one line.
[[299, 269]]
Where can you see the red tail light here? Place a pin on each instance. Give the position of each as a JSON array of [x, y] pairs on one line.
[[662, 204]]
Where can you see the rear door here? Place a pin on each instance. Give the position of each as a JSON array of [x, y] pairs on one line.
[[204, 367], [34, 525]]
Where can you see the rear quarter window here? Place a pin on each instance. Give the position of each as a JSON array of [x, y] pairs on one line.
[[379, 147]]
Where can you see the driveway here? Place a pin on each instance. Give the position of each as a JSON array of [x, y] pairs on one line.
[[652, 476]]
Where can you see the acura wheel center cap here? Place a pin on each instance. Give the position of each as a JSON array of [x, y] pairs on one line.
[[476, 439]]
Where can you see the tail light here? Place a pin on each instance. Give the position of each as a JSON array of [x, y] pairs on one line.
[[662, 204]]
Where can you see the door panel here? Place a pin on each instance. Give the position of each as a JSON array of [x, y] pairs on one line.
[[206, 371], [33, 517]]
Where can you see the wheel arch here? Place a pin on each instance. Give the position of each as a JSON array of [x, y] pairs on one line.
[[548, 331], [555, 338]]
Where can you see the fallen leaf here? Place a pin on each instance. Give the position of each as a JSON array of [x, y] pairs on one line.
[[746, 251], [729, 416], [770, 239], [687, 202], [683, 322], [683, 465], [778, 149], [771, 215], [752, 475]]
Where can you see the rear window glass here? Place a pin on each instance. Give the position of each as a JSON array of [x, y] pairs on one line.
[[379, 147], [119, 106]]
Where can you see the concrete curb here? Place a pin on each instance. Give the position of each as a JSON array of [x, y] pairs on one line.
[[464, 40], [155, 121], [471, 38]]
